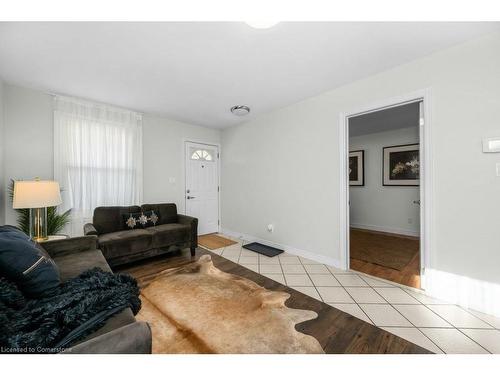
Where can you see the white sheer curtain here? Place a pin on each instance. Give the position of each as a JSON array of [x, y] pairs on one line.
[[97, 157]]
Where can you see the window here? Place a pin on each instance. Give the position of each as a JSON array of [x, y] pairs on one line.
[[97, 157], [202, 155]]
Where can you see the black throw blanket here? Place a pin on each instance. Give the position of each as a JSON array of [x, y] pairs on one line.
[[78, 307]]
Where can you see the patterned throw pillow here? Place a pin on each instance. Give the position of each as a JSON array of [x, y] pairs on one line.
[[141, 220], [152, 218]]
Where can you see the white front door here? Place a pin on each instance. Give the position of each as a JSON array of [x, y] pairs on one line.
[[202, 185]]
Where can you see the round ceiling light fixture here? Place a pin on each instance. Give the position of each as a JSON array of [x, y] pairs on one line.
[[240, 110], [261, 24]]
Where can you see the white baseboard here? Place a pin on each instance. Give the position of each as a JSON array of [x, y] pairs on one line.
[[289, 249], [377, 228]]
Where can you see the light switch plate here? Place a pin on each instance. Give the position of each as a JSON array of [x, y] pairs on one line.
[[491, 145]]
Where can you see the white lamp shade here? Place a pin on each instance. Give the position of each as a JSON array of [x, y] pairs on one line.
[[36, 194]]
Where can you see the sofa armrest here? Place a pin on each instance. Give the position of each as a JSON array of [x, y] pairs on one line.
[[89, 230], [193, 222], [70, 245], [134, 338]]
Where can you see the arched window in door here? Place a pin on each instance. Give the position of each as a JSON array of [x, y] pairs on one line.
[[202, 155]]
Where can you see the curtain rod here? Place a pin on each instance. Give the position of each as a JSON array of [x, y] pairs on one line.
[[53, 94]]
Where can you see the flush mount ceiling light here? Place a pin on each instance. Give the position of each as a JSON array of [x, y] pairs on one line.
[[261, 24], [240, 110]]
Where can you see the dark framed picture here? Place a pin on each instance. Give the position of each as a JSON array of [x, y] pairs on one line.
[[401, 165], [357, 168]]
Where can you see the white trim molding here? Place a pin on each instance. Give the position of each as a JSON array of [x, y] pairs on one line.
[[467, 292], [289, 249], [426, 176], [377, 228]]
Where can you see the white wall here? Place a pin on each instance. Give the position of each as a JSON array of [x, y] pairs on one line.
[[29, 146], [283, 167], [401, 215], [164, 157], [28, 138], [2, 141]]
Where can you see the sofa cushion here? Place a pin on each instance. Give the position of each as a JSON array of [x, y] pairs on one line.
[[169, 234], [123, 318], [72, 265], [167, 212], [33, 271], [110, 219], [125, 242]]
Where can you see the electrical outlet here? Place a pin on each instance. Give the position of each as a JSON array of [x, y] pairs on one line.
[[270, 228], [498, 169]]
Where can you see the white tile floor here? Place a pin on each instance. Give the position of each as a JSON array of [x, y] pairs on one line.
[[435, 325]]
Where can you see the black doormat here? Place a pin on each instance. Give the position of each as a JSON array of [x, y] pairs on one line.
[[263, 249]]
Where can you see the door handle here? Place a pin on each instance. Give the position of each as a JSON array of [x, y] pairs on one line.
[[417, 202], [190, 197]]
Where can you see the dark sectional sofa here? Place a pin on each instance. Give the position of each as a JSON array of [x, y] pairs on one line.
[[120, 244], [121, 333]]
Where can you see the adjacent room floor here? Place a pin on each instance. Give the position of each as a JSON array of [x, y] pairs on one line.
[[375, 246]]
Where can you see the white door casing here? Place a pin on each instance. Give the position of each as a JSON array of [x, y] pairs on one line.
[[202, 185], [426, 174]]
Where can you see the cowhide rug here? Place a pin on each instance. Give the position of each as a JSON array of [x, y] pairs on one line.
[[200, 309]]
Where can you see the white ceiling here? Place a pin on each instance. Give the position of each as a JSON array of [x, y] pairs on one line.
[[194, 72], [400, 117]]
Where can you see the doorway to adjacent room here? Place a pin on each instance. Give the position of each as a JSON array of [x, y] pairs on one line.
[[384, 195]]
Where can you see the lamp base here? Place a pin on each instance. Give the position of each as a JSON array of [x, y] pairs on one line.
[[40, 239], [38, 224]]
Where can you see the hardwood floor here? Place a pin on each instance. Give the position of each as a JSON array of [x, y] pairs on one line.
[[337, 331], [213, 241], [409, 275]]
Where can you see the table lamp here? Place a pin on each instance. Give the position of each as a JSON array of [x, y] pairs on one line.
[[37, 196]]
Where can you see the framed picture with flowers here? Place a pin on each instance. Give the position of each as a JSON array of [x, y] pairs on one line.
[[357, 168], [401, 165]]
